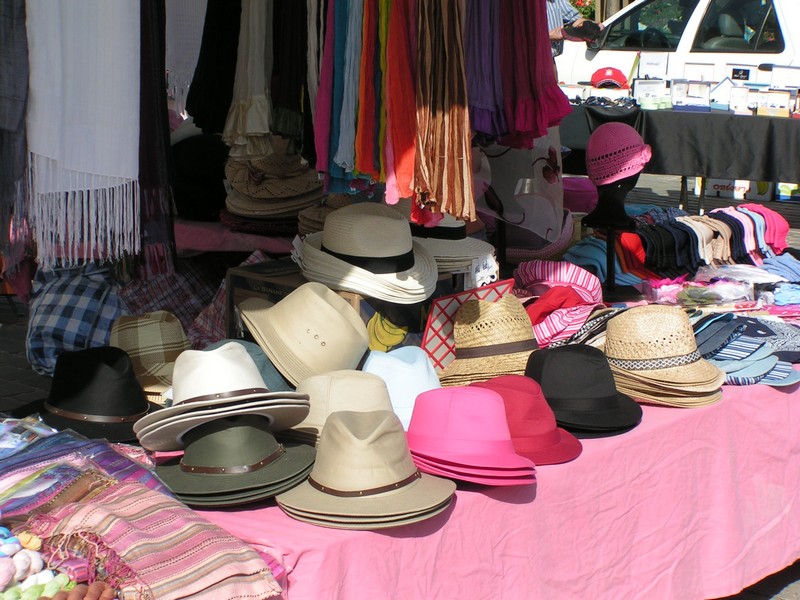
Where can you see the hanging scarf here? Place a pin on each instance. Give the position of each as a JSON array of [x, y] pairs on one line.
[[443, 168], [83, 129], [184, 34]]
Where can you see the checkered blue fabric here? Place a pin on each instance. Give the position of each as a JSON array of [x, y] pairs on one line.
[[70, 309]]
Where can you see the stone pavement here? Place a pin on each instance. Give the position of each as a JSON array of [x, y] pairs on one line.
[[19, 385]]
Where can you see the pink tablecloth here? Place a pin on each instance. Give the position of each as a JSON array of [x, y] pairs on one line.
[[692, 504], [192, 237]]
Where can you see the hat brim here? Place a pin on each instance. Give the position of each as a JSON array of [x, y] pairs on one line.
[[730, 366], [567, 448], [467, 248], [700, 374], [421, 495], [208, 501], [522, 469], [461, 371], [167, 435], [192, 406], [666, 399], [487, 461], [500, 480], [295, 460], [366, 524], [405, 287], [297, 183], [112, 432], [621, 412]]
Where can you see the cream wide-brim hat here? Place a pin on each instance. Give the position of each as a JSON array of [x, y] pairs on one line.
[[311, 331], [367, 248]]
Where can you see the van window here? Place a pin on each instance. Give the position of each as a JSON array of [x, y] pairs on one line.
[[655, 25], [739, 26]]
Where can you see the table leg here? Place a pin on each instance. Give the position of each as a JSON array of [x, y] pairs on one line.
[[684, 198], [701, 200]]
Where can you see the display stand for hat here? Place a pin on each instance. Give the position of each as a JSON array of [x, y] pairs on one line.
[[610, 215]]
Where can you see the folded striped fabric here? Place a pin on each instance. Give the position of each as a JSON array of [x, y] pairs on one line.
[[148, 545]]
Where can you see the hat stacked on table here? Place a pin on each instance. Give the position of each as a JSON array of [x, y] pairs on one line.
[[578, 384], [266, 194], [334, 391], [224, 418], [367, 248], [211, 384], [364, 477], [312, 219], [654, 357], [491, 339], [462, 432]]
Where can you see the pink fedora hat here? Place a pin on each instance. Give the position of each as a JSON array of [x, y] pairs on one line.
[[531, 421], [463, 425]]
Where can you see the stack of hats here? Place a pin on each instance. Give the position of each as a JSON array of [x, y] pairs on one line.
[[654, 357], [334, 391], [234, 460], [95, 393], [531, 422], [407, 371], [367, 248], [266, 194], [364, 477], [565, 295], [211, 384], [578, 384], [312, 219], [445, 238], [462, 432], [722, 339], [153, 341], [491, 339], [311, 331]]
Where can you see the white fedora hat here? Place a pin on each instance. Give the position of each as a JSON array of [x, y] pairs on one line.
[[367, 248], [313, 330], [225, 378]]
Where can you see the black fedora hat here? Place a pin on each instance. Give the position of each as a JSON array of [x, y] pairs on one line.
[[578, 384], [95, 393]]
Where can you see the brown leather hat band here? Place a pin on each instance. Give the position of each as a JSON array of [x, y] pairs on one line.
[[234, 469], [68, 414], [497, 349], [370, 492]]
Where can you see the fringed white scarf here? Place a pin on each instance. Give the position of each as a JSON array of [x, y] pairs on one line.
[[185, 19], [83, 129]]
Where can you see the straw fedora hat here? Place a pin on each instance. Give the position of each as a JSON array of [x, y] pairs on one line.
[[364, 469], [245, 206], [367, 248], [657, 343], [491, 339], [334, 391], [251, 180], [153, 341], [311, 331], [226, 378], [235, 454]]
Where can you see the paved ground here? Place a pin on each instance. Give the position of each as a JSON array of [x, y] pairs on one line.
[[20, 385]]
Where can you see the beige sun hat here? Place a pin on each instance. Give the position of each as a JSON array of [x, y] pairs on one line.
[[364, 469], [653, 346], [491, 339], [251, 180], [331, 392], [245, 206], [312, 330], [153, 340], [367, 248]]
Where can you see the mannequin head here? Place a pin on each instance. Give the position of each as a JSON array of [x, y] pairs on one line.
[[615, 151], [610, 209]]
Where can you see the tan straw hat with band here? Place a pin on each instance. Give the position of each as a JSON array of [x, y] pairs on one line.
[[491, 339]]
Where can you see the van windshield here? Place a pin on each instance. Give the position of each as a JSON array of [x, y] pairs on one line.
[[739, 26], [655, 25]]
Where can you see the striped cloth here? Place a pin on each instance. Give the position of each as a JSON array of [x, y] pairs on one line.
[[538, 276], [119, 529]]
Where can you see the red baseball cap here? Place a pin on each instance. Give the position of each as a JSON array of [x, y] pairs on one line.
[[609, 77]]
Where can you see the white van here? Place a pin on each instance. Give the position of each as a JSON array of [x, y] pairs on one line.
[[702, 40]]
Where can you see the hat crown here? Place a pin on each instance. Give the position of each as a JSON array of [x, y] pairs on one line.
[[206, 373], [98, 381], [650, 332], [615, 151], [480, 323], [233, 441], [527, 410], [151, 338], [574, 371], [361, 451], [367, 229], [342, 390]]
